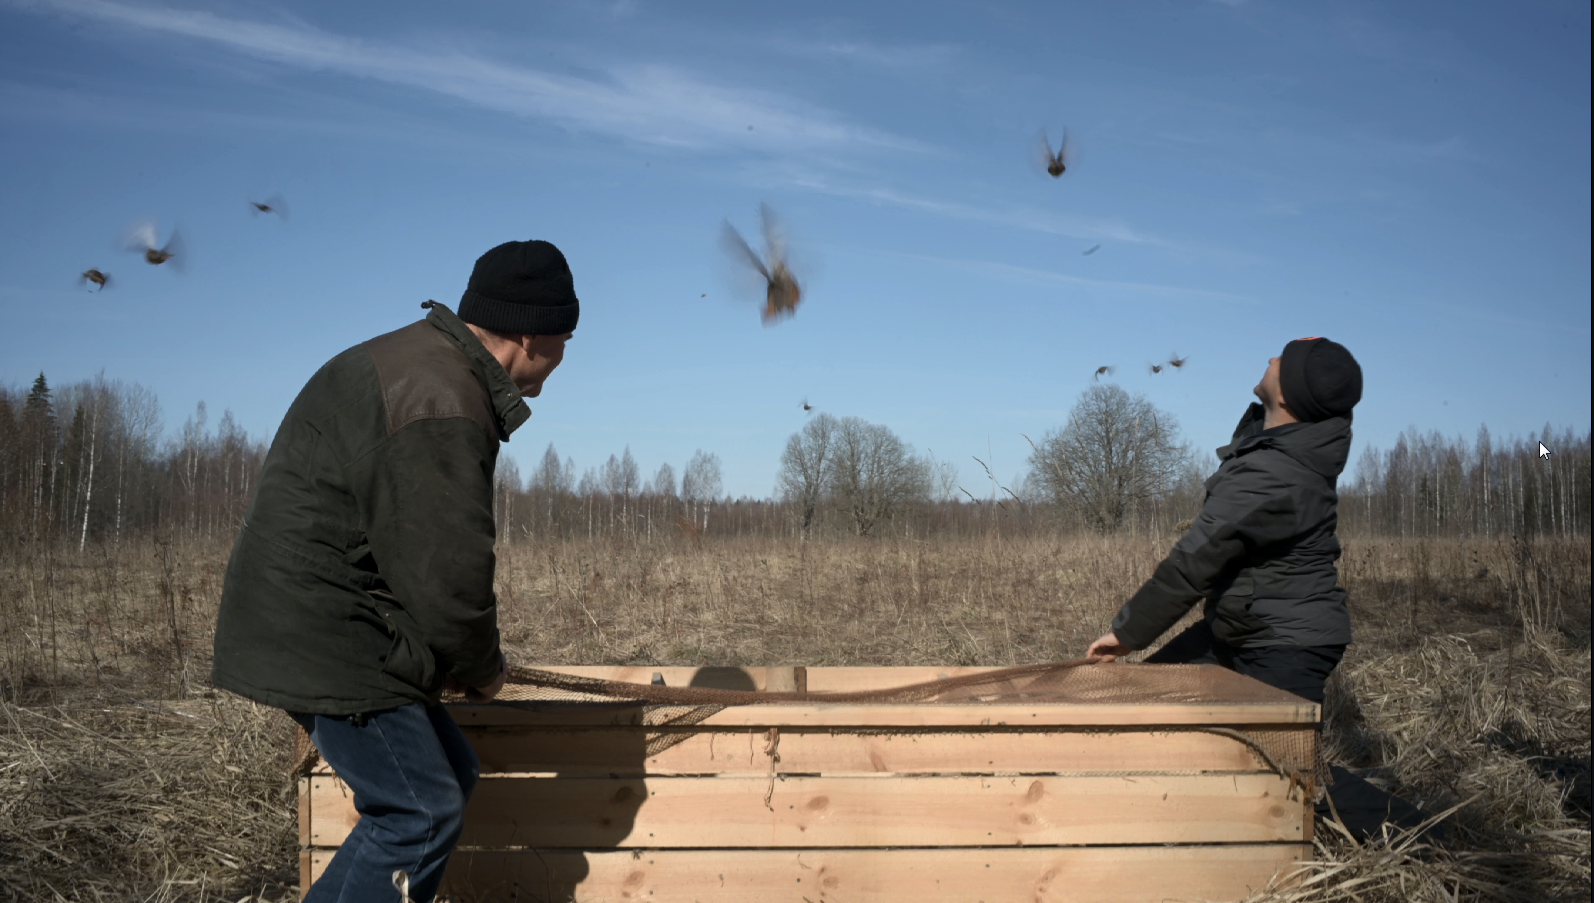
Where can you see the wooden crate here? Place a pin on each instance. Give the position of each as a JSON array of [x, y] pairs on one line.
[[868, 802]]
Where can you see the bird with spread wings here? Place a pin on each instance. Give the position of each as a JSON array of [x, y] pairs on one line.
[[782, 294]]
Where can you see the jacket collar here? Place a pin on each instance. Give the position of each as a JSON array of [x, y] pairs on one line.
[[1250, 424], [1322, 446], [509, 408]]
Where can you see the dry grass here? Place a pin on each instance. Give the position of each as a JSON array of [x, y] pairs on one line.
[[122, 777], [111, 798], [850, 603]]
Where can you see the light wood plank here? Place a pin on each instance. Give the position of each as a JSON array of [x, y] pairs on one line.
[[330, 803], [858, 811], [304, 809], [1033, 875], [621, 752], [786, 680], [899, 715]]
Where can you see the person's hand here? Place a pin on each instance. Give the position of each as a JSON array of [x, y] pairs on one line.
[[484, 695], [1107, 648]]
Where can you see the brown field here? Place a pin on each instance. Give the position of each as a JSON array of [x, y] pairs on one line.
[[123, 776]]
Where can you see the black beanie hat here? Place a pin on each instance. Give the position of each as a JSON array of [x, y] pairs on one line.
[[1320, 379], [522, 287]]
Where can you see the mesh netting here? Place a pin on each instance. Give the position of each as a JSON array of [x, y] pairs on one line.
[[1054, 683], [1293, 754]]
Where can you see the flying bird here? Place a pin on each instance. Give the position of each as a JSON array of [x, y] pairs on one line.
[[1101, 370], [807, 407], [1054, 162], [1093, 249], [95, 276], [1175, 361], [141, 238], [274, 204], [783, 294], [1156, 368]]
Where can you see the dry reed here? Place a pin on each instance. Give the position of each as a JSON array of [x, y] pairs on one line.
[[123, 777]]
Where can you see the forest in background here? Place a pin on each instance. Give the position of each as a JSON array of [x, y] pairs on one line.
[[91, 463]]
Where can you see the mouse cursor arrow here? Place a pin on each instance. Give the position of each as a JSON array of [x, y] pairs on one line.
[[1543, 452]]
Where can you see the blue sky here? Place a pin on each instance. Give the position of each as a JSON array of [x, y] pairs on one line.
[[1409, 179]]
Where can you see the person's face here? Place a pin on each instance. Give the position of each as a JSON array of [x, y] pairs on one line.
[[539, 355], [1268, 389]]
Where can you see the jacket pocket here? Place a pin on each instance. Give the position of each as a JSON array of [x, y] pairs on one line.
[[408, 659], [1235, 619]]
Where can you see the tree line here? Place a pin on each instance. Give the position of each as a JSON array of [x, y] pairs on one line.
[[1432, 485], [91, 465]]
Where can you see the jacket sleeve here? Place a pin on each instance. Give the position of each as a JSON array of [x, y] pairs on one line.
[[1248, 509], [431, 531]]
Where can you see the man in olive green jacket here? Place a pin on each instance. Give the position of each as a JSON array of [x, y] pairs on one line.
[[362, 581]]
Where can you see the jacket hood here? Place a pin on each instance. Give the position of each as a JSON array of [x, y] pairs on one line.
[[1322, 447]]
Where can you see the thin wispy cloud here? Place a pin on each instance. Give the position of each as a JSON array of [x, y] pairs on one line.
[[1017, 218], [107, 107], [890, 56], [653, 104], [1042, 275]]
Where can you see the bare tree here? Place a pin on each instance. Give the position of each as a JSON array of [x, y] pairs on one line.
[[1116, 453], [805, 467], [663, 483], [136, 433], [944, 479], [629, 483], [614, 483], [549, 476], [550, 487], [874, 473], [506, 488], [702, 483]]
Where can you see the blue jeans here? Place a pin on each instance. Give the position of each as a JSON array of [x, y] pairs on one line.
[[411, 770]]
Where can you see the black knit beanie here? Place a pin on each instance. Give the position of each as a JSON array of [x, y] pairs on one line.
[[1320, 379], [522, 287]]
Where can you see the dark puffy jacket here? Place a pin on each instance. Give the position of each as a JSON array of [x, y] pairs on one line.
[[363, 574], [1262, 552]]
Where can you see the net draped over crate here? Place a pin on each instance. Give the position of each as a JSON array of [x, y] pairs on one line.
[[1291, 754]]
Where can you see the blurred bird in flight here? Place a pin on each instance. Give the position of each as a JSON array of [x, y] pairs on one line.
[[1156, 368], [782, 293], [807, 408], [1054, 162], [95, 276], [141, 238], [274, 204], [1175, 361], [1093, 249], [1104, 369]]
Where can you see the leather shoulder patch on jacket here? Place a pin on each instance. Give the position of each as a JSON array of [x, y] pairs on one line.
[[425, 376]]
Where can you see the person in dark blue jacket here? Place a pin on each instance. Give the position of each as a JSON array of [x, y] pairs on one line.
[[1261, 555]]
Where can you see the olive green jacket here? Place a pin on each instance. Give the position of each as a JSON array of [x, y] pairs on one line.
[[363, 574]]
